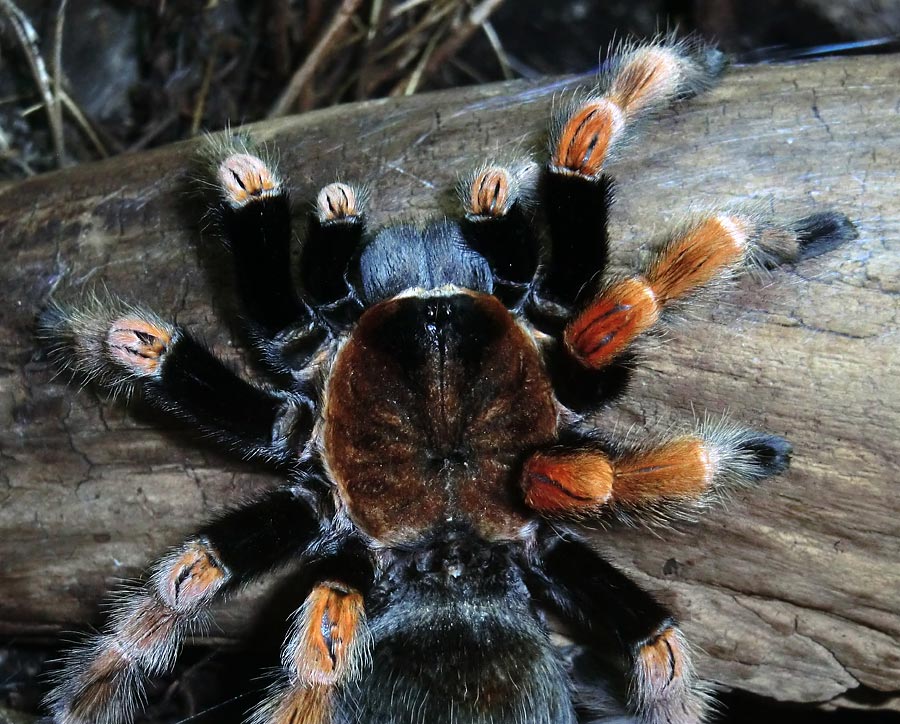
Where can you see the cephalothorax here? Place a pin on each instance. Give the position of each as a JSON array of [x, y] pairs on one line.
[[434, 425]]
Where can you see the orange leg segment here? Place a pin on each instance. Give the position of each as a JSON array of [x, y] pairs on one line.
[[581, 482], [338, 202], [603, 330], [630, 307], [567, 482], [681, 468], [244, 177], [108, 674], [306, 704], [707, 250], [326, 634], [645, 79], [582, 146], [664, 689], [328, 645], [648, 78], [490, 193]]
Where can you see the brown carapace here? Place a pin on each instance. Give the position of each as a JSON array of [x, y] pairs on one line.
[[437, 427], [433, 425]]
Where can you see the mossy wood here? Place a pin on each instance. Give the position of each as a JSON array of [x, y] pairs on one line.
[[793, 591]]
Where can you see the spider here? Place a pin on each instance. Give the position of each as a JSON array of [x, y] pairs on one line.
[[434, 427]]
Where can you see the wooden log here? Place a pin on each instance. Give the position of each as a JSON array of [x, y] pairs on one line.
[[792, 591]]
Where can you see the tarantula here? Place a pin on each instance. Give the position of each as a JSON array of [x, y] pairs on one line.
[[435, 435]]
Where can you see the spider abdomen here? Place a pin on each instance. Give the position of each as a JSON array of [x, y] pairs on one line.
[[484, 660], [431, 405]]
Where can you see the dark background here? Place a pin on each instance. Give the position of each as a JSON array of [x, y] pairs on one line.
[[148, 72]]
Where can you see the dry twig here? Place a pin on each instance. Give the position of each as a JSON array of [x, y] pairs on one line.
[[479, 15], [305, 72], [57, 76], [28, 39]]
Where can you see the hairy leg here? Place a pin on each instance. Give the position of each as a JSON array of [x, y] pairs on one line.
[[677, 478], [335, 233], [498, 224], [129, 350], [600, 603], [598, 340], [714, 248], [329, 645], [576, 194], [102, 680], [253, 214]]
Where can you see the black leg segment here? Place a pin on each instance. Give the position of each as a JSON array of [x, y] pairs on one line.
[[103, 680], [335, 233], [255, 219], [199, 388], [577, 210], [601, 603], [498, 224]]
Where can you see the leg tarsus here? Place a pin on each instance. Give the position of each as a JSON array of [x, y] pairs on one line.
[[822, 232], [771, 454]]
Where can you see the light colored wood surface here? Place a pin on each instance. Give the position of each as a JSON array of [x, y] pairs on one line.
[[793, 591]]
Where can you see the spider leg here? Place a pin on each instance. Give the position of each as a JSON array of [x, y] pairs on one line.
[[576, 193], [334, 235], [102, 681], [497, 224], [600, 602], [329, 645], [128, 350], [254, 216], [253, 211], [675, 479], [714, 248]]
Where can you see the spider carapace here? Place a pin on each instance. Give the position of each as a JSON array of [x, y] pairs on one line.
[[433, 422], [454, 395]]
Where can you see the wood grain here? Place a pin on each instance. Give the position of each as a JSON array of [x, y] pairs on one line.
[[792, 591]]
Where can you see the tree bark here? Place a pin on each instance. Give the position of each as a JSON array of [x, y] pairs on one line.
[[791, 591]]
